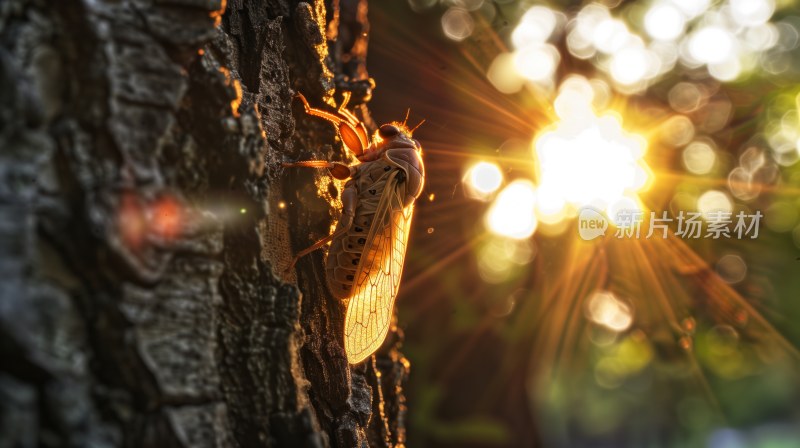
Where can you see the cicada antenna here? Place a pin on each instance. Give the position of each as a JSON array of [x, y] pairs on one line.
[[411, 131], [408, 112]]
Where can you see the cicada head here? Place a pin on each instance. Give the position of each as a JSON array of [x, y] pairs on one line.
[[390, 135]]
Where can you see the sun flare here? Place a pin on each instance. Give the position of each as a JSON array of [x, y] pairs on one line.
[[587, 159]]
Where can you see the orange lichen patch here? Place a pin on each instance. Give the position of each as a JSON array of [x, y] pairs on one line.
[[237, 87], [166, 218], [324, 186], [131, 221], [217, 15], [235, 103], [315, 35]]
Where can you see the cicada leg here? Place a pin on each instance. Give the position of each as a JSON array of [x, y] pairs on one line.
[[309, 164], [337, 170], [349, 198], [333, 118], [319, 244]]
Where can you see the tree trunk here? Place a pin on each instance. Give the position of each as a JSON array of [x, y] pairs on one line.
[[146, 224]]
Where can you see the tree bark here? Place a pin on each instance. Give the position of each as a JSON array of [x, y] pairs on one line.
[[146, 222]]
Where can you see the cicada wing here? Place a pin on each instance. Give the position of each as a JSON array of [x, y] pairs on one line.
[[377, 278]]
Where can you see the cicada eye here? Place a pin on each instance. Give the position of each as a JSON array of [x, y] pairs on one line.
[[388, 131]]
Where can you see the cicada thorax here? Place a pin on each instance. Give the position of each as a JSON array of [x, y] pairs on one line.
[[347, 249]]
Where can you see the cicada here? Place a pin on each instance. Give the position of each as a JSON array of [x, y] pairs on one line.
[[368, 246]]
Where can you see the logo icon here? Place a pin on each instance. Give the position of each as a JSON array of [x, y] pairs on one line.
[[591, 223]]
